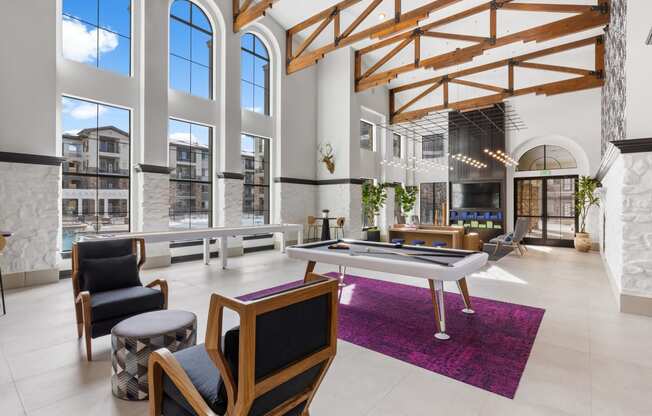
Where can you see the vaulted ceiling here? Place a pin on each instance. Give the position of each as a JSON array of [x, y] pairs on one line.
[[434, 40]]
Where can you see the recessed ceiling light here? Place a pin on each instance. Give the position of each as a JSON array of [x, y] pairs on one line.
[[382, 16]]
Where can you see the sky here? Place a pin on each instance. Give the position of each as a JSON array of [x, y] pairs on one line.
[[78, 115]]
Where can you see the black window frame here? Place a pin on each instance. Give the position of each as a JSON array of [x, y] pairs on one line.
[[396, 136], [372, 135], [99, 27], [267, 87], [249, 187], [438, 148], [190, 181], [545, 159], [210, 67]]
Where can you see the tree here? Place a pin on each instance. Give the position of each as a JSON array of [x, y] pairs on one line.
[[407, 197], [585, 198], [373, 199]]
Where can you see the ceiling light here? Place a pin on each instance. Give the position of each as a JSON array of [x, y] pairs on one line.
[[382, 16]]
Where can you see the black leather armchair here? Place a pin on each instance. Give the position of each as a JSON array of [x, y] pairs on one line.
[[107, 287], [272, 364]]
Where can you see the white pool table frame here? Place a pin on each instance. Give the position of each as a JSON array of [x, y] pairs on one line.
[[435, 274]]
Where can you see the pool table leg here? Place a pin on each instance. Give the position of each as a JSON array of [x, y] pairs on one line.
[[464, 290], [309, 269], [437, 293]]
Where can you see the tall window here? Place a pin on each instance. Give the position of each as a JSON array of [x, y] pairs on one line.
[[96, 150], [255, 74], [396, 145], [432, 146], [98, 33], [255, 166], [190, 175], [191, 50], [366, 135]]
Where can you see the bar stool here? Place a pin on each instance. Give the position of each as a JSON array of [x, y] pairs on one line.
[[339, 227], [399, 241], [313, 225], [418, 242], [439, 244]]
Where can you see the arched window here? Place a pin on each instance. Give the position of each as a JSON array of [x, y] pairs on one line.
[[546, 157], [254, 61], [191, 50], [98, 33]]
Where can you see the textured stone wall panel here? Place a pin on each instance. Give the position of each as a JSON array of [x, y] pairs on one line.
[[637, 225], [614, 90], [229, 193], [30, 208]]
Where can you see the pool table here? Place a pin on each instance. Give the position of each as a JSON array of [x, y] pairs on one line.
[[436, 265]]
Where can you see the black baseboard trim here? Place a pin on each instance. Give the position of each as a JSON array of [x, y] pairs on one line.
[[257, 237], [300, 181], [230, 175], [31, 159], [259, 248], [142, 167]]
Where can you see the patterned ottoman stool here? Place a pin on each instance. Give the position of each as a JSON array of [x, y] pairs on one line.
[[133, 339]]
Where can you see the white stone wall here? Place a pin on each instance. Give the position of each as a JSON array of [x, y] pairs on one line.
[[343, 200], [637, 224], [30, 208], [611, 209], [229, 202], [154, 212], [295, 203]]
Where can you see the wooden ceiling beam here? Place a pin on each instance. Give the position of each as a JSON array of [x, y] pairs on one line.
[[548, 8], [587, 79], [567, 26], [556, 68], [388, 56], [454, 36], [389, 27], [478, 85], [354, 25], [247, 12], [307, 41]]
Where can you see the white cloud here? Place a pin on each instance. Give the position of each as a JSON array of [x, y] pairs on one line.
[[73, 132], [183, 137], [81, 43], [81, 110]]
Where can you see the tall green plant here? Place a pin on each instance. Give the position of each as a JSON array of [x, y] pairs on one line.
[[407, 197], [585, 198], [373, 199]]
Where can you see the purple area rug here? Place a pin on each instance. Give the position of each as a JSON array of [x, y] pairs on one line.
[[488, 350]]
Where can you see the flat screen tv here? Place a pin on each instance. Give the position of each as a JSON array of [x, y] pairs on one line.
[[476, 195]]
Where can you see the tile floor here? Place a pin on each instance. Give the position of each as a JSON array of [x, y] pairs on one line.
[[588, 359]]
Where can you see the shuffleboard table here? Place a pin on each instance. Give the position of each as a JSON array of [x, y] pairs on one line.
[[437, 265]]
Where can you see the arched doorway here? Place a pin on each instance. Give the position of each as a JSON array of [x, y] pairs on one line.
[[547, 200]]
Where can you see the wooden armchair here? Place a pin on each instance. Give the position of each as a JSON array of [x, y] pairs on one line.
[[107, 287], [272, 364]]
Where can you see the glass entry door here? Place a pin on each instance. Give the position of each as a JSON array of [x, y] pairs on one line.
[[549, 204]]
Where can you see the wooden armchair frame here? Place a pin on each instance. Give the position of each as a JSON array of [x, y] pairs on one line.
[[242, 395], [83, 298]]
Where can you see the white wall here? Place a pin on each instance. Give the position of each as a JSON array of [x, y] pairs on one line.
[[638, 69]]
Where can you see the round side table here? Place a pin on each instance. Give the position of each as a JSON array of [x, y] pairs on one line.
[[135, 338]]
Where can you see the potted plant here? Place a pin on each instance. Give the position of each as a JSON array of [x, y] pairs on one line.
[[373, 199], [407, 197], [585, 198]]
